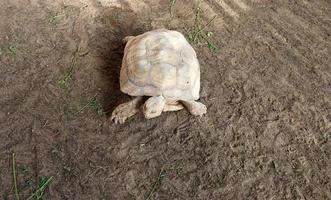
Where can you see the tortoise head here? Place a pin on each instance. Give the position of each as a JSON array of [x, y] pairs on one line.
[[153, 107]]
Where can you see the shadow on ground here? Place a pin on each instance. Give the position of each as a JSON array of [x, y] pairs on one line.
[[107, 44]]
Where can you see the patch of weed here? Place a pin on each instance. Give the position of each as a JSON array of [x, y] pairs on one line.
[[177, 168], [95, 105], [28, 183], [65, 82], [72, 112], [198, 34], [43, 183], [23, 169], [2, 50], [55, 17], [161, 175], [17, 196], [220, 179], [11, 49], [5, 195], [274, 166]]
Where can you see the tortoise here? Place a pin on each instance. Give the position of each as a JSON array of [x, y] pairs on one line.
[[162, 65]]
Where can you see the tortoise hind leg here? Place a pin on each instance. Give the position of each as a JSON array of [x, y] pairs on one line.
[[195, 108], [126, 110]]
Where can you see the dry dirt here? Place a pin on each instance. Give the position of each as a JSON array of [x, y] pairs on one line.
[[267, 133]]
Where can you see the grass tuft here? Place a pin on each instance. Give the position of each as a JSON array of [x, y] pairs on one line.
[[220, 179], [23, 169], [28, 183], [274, 166], [198, 34], [11, 49], [2, 50], [55, 17], [161, 175], [39, 193], [17, 196], [66, 81], [72, 112]]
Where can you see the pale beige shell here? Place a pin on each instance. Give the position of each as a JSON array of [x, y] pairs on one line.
[[160, 62]]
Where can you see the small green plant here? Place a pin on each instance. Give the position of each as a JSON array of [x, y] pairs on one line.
[[28, 183], [23, 169], [39, 193], [2, 50], [72, 112], [220, 179], [11, 49], [65, 82], [159, 178], [55, 17], [17, 196], [274, 166], [198, 34], [95, 105], [177, 168]]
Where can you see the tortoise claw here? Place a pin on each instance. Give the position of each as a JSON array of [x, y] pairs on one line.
[[125, 110]]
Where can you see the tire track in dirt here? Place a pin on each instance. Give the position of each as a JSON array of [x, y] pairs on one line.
[[283, 50], [319, 8], [227, 15], [292, 39], [310, 15], [226, 8], [282, 36], [221, 9], [309, 52], [312, 30], [282, 32], [278, 38], [242, 5], [232, 9], [210, 13]]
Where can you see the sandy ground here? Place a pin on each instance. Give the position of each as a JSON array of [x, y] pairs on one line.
[[267, 133]]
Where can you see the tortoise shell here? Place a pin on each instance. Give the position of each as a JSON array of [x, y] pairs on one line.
[[160, 62]]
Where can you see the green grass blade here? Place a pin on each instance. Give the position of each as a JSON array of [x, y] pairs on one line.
[[156, 183], [17, 196], [40, 191]]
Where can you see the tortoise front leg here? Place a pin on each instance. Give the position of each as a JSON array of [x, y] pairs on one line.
[[195, 108], [126, 110]]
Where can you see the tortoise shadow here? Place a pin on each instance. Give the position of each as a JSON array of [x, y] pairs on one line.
[[114, 25]]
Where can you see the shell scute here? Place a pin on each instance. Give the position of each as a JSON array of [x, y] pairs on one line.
[[163, 76], [160, 62]]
